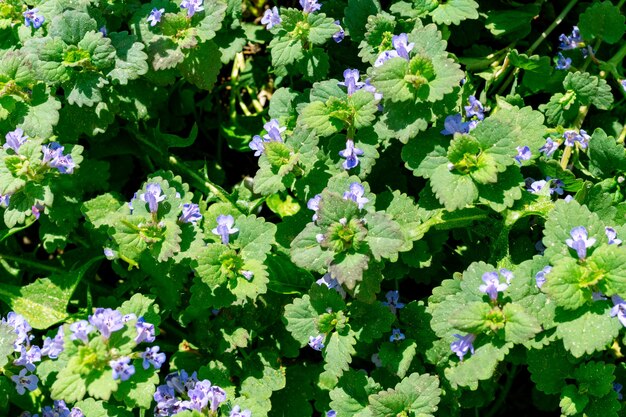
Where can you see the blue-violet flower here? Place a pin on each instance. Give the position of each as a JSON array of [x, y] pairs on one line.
[[580, 241]]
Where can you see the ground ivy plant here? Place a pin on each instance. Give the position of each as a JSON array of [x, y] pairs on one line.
[[339, 208]]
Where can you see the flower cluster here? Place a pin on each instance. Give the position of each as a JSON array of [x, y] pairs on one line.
[[316, 342], [31, 18], [463, 344], [106, 321], [356, 193], [271, 18], [155, 16], [53, 156], [540, 277], [548, 186], [183, 392], [310, 6], [401, 46], [474, 113], [273, 130], [58, 409], [572, 137], [29, 353], [492, 285]]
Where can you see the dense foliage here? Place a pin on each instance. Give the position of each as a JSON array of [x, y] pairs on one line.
[[326, 208]]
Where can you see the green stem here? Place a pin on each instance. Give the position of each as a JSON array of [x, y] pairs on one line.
[[31, 264], [553, 26], [205, 183], [502, 397], [622, 135], [14, 230], [619, 55]]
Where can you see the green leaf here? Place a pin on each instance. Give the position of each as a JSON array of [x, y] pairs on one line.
[[596, 378], [520, 325], [71, 26], [210, 264], [550, 367], [572, 401], [351, 394], [41, 115], [347, 268], [479, 367], [589, 89], [609, 264], [255, 237], [568, 284], [202, 65], [370, 321], [142, 306], [93, 408], [7, 338], [453, 12], [285, 50], [130, 58], [592, 321], [44, 302], [301, 318], [85, 89], [455, 191], [356, 15], [321, 29], [561, 109], [214, 13], [101, 52], [417, 394], [165, 53], [397, 357], [384, 236], [512, 22], [606, 156], [337, 356], [307, 253], [603, 21]]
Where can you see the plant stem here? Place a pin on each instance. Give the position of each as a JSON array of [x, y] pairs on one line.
[[504, 393], [31, 264], [206, 184], [622, 135], [553, 26]]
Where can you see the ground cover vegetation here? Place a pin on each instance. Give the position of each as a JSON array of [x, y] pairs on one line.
[[340, 208]]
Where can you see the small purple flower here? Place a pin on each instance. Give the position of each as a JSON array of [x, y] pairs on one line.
[[579, 241], [181, 381], [247, 274], [331, 413], [611, 235], [237, 412], [492, 285], [122, 369], [384, 57], [192, 6], [523, 154], [152, 196], [53, 157], [257, 144], [59, 409], [454, 124], [332, 284], [563, 63], [15, 139], [571, 137], [271, 18], [536, 187], [225, 228], [597, 296], [316, 342], [109, 253], [396, 335], [164, 394], [540, 277], [145, 331], [155, 16], [402, 45], [623, 84], [340, 34], [274, 131], [128, 317], [21, 328], [52, 347], [507, 274], [80, 330], [25, 382], [76, 412], [557, 185], [463, 345], [107, 321], [31, 18], [28, 357], [393, 301], [355, 193], [351, 81], [550, 147], [369, 87], [571, 42], [104, 31], [5, 200], [351, 153], [475, 108], [314, 204], [309, 6], [619, 309], [153, 357], [191, 213]]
